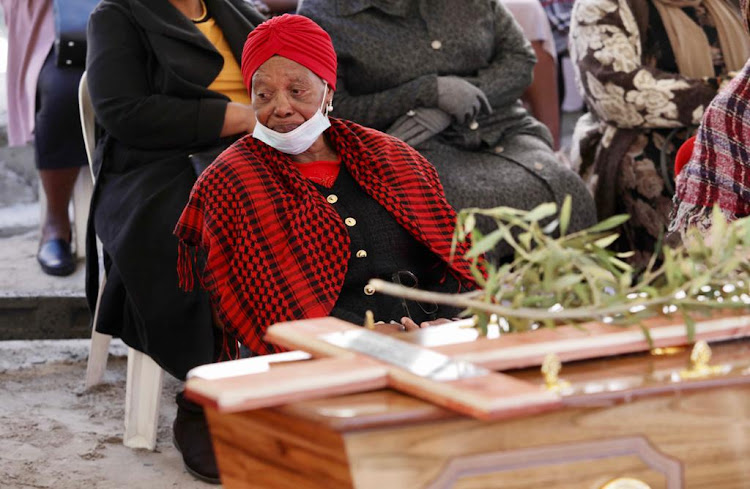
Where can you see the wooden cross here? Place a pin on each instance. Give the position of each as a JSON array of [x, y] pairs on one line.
[[248, 384]]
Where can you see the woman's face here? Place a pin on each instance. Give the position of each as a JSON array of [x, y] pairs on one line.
[[285, 94]]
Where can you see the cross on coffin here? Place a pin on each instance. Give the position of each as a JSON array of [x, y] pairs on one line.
[[459, 376]]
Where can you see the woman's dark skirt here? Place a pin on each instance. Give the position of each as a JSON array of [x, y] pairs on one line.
[[58, 139]]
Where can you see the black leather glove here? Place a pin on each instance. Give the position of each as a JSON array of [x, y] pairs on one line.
[[419, 125], [461, 99]]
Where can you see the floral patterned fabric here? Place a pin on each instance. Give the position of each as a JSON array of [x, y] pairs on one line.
[[641, 111]]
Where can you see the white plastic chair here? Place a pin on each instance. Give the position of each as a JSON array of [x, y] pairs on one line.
[[144, 381]]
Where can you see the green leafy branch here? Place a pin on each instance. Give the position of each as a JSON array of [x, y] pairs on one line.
[[576, 278]]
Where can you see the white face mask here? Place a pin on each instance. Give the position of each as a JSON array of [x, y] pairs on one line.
[[301, 138]]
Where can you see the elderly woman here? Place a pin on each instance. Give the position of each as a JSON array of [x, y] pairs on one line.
[[648, 69], [293, 221], [447, 80], [718, 173], [165, 82]]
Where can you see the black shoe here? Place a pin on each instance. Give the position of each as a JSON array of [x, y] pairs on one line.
[[192, 439], [56, 258]]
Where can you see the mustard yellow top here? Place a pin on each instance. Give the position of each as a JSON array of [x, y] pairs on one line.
[[229, 80]]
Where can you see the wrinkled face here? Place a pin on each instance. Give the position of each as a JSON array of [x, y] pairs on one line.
[[285, 94]]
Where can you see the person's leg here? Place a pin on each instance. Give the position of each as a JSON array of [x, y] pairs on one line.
[[58, 188], [58, 144], [190, 433], [191, 437]]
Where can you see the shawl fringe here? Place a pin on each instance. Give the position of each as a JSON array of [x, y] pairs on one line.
[[692, 215], [187, 263]]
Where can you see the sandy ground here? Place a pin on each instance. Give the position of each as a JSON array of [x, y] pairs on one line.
[[20, 275], [54, 434]]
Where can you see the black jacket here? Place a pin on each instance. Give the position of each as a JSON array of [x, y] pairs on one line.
[[148, 68]]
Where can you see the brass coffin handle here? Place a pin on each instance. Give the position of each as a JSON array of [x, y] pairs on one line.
[[551, 367], [699, 363]]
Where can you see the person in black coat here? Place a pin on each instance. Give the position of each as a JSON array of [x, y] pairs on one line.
[[165, 84]]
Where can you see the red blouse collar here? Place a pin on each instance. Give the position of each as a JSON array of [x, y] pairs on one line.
[[321, 172]]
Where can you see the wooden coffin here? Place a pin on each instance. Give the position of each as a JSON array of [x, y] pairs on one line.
[[626, 418]]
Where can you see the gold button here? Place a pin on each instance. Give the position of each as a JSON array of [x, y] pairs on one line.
[[361, 254], [538, 166], [350, 221], [436, 44], [474, 125], [499, 149], [332, 199], [369, 289]]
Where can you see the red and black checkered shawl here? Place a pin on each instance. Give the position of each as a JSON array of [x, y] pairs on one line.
[[274, 250], [718, 173]]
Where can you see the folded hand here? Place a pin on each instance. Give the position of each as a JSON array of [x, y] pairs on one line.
[[410, 325], [461, 99]]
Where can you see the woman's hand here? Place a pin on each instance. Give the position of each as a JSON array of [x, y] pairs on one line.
[[238, 119], [388, 328], [410, 325], [461, 99], [406, 324]]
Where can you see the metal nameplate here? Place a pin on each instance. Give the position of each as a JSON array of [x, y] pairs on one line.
[[419, 361]]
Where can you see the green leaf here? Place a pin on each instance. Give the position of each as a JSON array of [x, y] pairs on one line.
[[477, 274], [565, 211], [503, 213], [718, 229], [470, 223], [599, 273], [525, 239], [671, 270], [625, 281], [652, 292], [486, 243], [609, 223], [699, 282], [541, 211], [620, 264], [540, 301], [565, 282], [647, 335], [582, 293], [550, 228], [689, 325], [606, 241]]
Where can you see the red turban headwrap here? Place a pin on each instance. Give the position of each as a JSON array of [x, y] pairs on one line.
[[294, 37]]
